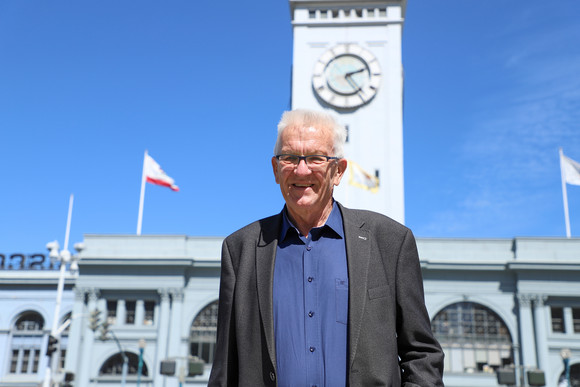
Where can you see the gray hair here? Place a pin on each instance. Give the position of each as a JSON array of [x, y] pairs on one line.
[[304, 118]]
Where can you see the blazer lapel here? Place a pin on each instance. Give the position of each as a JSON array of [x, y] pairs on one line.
[[358, 249], [265, 258]]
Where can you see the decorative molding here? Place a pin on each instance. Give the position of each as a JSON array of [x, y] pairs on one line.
[[525, 300], [540, 300], [163, 294], [94, 294], [177, 294], [80, 293]]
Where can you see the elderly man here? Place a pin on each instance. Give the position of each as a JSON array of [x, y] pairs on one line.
[[321, 295]]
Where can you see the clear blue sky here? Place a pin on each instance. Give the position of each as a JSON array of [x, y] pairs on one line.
[[492, 89]]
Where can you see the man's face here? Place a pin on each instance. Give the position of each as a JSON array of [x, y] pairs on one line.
[[308, 189]]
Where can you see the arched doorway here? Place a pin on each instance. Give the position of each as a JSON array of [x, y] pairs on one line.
[[113, 366], [474, 338], [27, 338], [202, 336], [574, 377]]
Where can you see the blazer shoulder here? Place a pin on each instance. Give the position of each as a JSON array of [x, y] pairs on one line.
[[374, 221], [252, 231]]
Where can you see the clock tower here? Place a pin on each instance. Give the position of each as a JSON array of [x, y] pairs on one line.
[[347, 59]]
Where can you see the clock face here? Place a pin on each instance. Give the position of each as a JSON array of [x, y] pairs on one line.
[[346, 76]]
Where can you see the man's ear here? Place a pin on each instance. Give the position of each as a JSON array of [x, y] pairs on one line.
[[341, 168], [275, 169]]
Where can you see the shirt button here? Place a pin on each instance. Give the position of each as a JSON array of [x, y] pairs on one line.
[[310, 314], [308, 248], [312, 349], [310, 279]]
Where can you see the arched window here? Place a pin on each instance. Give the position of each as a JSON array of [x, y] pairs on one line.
[[203, 333], [574, 376], [473, 337], [27, 338], [114, 365]]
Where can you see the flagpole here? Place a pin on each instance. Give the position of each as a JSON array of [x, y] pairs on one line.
[[565, 195], [142, 197]]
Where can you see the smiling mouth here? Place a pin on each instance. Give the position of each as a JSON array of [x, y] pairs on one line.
[[303, 185]]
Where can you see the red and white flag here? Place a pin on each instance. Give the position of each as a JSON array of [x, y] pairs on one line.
[[155, 175], [570, 170]]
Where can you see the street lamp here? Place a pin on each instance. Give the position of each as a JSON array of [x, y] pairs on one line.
[[566, 354], [104, 327], [142, 345], [65, 257]]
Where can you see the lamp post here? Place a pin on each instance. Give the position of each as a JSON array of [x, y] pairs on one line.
[[565, 353], [142, 345], [104, 333], [65, 257]]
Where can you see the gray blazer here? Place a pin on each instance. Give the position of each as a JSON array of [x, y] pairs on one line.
[[390, 342]]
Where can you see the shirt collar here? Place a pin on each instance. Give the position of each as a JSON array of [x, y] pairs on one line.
[[334, 222]]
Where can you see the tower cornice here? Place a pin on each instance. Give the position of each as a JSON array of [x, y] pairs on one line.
[[347, 4]]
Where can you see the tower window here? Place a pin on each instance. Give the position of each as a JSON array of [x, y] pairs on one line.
[[149, 312], [130, 307], [557, 319], [576, 319], [111, 311], [312, 14]]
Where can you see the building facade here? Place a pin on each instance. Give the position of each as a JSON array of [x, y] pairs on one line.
[[138, 302], [494, 304]]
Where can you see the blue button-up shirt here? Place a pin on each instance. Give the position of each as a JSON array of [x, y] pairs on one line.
[[311, 305]]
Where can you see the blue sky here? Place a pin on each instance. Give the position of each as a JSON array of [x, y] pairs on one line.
[[492, 90]]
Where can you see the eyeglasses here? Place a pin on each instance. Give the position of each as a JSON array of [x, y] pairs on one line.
[[310, 160]]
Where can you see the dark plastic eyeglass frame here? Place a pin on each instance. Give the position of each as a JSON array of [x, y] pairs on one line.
[[300, 158]]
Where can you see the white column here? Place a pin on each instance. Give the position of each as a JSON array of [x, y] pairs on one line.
[[79, 321], [121, 312], [88, 340], [527, 334], [139, 313], [176, 331], [568, 322], [540, 317], [162, 337]]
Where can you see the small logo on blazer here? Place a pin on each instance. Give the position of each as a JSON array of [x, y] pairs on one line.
[[362, 237]]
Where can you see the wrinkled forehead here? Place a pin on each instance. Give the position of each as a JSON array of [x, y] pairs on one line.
[[307, 132], [314, 137]]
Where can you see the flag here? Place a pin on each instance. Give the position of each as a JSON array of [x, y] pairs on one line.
[[155, 175], [570, 170], [360, 178]]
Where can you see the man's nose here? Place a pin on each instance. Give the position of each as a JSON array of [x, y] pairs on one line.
[[302, 168]]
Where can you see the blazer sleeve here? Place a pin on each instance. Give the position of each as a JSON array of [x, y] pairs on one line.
[[421, 357], [225, 365]]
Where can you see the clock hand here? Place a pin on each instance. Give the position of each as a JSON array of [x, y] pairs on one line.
[[351, 82], [354, 72]]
